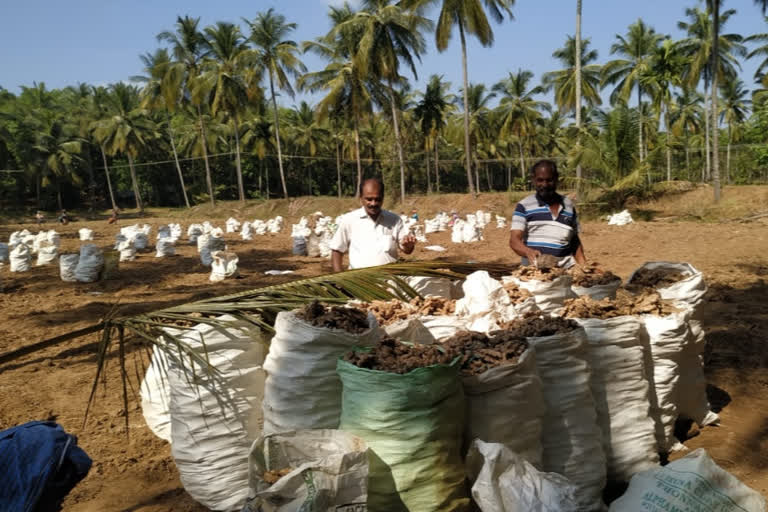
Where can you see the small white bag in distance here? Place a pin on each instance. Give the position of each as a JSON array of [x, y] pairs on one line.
[[505, 405], [328, 472], [4, 251], [618, 351], [224, 265], [503, 481], [164, 247], [90, 263], [21, 258], [67, 266], [46, 253], [303, 390], [691, 483], [85, 234], [571, 437]]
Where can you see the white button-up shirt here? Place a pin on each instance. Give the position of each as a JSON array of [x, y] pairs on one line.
[[369, 243]]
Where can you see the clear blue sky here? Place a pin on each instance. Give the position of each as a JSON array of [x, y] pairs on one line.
[[98, 41]]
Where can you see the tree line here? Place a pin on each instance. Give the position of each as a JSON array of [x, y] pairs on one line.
[[208, 119]]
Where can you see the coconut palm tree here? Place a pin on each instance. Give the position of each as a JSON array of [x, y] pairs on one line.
[[705, 40], [97, 111], [479, 118], [518, 111], [181, 83], [431, 112], [391, 34], [233, 79], [736, 103], [348, 91], [278, 56], [686, 116], [635, 49], [58, 148], [154, 98], [469, 17], [307, 133], [126, 129], [664, 72], [577, 72], [564, 80]]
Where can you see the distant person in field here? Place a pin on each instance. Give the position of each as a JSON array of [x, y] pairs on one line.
[[63, 217], [370, 234], [546, 222], [115, 214], [39, 217]]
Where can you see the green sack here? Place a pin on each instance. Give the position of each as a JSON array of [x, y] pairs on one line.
[[413, 424]]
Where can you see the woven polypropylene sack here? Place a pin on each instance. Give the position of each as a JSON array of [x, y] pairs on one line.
[[505, 405], [67, 266], [618, 352], [413, 428], [302, 390], [549, 295], [690, 289], [571, 437]]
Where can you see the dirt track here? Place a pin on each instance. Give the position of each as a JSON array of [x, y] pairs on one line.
[[138, 474]]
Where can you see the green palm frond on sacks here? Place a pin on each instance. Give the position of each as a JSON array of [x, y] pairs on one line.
[[164, 328]]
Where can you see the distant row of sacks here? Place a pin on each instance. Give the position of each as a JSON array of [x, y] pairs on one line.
[[257, 227]]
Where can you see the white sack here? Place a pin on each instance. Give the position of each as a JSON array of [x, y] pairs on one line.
[[164, 247], [503, 481], [67, 266], [313, 245], [431, 226], [156, 396], [163, 231], [431, 286], [54, 238], [457, 232], [329, 472], [90, 263], [21, 258], [598, 291], [4, 253], [505, 405], [303, 390], [443, 326], [620, 219], [693, 482], [486, 304], [175, 232], [690, 290], [215, 417], [692, 401], [571, 438], [85, 234], [473, 232], [140, 241], [617, 350], [232, 225], [501, 222], [246, 233], [224, 265], [127, 250], [411, 329], [549, 295], [46, 253], [193, 232]]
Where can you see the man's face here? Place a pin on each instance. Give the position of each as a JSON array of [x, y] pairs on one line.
[[545, 183], [371, 199]]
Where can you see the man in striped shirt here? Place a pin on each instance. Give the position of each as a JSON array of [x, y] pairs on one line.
[[546, 222]]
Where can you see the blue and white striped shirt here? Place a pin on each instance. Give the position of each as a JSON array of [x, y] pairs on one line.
[[555, 235]]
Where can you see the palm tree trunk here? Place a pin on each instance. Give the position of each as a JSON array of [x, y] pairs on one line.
[[640, 118], [261, 174], [467, 148], [204, 144], [426, 153], [135, 183], [509, 175], [669, 151], [58, 192], [728, 158], [176, 159], [240, 187], [715, 134], [277, 135], [706, 140], [488, 177], [578, 87], [338, 168], [357, 157], [398, 142], [38, 186], [522, 160], [687, 156], [477, 178], [437, 167], [91, 179], [109, 181]]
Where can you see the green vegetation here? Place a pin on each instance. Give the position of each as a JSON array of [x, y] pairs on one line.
[[208, 119]]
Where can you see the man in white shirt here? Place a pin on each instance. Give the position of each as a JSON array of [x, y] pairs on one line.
[[369, 234]]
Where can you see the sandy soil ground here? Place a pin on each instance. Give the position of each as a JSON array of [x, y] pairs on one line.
[[136, 473]]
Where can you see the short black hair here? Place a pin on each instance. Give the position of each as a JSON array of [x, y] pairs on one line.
[[551, 164], [368, 180]]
